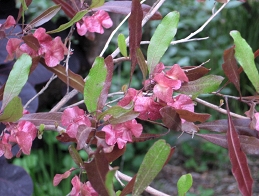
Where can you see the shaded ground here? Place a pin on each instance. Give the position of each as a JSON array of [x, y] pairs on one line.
[[213, 182]]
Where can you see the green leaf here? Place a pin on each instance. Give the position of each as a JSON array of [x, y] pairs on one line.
[[206, 84], [75, 19], [245, 57], [122, 45], [96, 3], [161, 39], [17, 78], [13, 111], [75, 156], [184, 184], [117, 111], [94, 84], [153, 162], [109, 182]]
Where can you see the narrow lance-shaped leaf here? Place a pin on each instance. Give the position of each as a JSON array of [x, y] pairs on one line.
[[142, 63], [245, 57], [94, 84], [109, 182], [170, 118], [96, 3], [206, 84], [122, 45], [47, 118], [75, 156], [68, 9], [161, 39], [17, 78], [97, 170], [135, 33], [107, 84], [238, 159], [152, 164], [76, 81], [230, 68], [45, 16], [13, 111], [76, 18], [184, 184]]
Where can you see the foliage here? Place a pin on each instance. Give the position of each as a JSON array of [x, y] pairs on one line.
[[104, 130]]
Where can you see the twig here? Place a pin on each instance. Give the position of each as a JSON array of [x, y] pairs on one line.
[[217, 108], [179, 41], [64, 100], [148, 189], [41, 91], [206, 23]]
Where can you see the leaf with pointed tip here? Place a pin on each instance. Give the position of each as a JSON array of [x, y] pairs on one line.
[[47, 118], [195, 72], [76, 81], [82, 135], [124, 7], [13, 111], [45, 16], [256, 53], [109, 182], [170, 118], [75, 156], [122, 45], [230, 68], [152, 164], [135, 33], [97, 170], [245, 57], [148, 136], [31, 41], [161, 39], [142, 63], [184, 184], [96, 3], [79, 15], [107, 84], [117, 111], [242, 126], [17, 78], [206, 84], [129, 187], [115, 154], [94, 84], [238, 159], [68, 9], [123, 118], [192, 116]]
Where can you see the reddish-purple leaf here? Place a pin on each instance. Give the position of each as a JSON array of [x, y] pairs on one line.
[[242, 126], [31, 41], [107, 84], [250, 145], [195, 72], [115, 154], [58, 177], [82, 135], [148, 136], [69, 11], [238, 159], [47, 118], [142, 63], [129, 187], [170, 118], [135, 33], [189, 127], [96, 172], [75, 81], [123, 7], [230, 67], [256, 53], [192, 116]]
